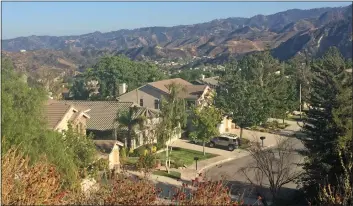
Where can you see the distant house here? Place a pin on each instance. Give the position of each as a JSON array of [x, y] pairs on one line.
[[60, 114], [102, 124], [212, 82]]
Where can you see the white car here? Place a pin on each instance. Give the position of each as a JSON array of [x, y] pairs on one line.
[[231, 141]]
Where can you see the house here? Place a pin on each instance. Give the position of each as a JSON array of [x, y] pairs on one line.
[[60, 114], [103, 125], [212, 82], [150, 94], [109, 149]]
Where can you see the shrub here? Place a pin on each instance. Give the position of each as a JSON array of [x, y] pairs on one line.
[[178, 163], [120, 190], [25, 184], [205, 193], [146, 162]]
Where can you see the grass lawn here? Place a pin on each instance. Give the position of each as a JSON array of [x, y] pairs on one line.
[[172, 174], [185, 156]]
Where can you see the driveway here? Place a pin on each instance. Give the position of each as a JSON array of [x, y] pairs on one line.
[[182, 143]]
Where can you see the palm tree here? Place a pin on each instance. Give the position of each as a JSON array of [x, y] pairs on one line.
[[130, 120]]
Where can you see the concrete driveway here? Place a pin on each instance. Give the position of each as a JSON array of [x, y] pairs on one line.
[[186, 144]]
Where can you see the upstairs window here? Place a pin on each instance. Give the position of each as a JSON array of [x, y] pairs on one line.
[[156, 104], [141, 102]]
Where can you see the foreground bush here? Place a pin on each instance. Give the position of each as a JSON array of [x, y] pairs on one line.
[[120, 190], [25, 184]]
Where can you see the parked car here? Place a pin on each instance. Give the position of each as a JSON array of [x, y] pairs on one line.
[[225, 140]]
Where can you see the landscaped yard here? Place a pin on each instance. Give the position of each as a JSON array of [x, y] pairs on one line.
[[180, 156]]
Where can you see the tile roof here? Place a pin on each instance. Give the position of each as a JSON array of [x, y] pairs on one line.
[[102, 113], [106, 146], [55, 111], [210, 80], [162, 85], [193, 91]]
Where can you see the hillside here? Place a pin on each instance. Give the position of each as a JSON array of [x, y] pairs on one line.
[[287, 33]]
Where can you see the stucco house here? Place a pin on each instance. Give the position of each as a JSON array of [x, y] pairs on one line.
[[102, 124], [150, 95], [60, 114]]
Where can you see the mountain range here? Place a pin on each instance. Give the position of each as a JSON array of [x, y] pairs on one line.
[[286, 33]]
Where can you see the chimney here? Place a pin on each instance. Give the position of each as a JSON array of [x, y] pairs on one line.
[[202, 76], [122, 88]]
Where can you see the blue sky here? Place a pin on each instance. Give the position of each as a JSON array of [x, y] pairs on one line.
[[73, 18]]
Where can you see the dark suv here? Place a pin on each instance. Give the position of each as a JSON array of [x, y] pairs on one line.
[[230, 142]]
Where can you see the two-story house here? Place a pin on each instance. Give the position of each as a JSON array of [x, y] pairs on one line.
[[150, 95]]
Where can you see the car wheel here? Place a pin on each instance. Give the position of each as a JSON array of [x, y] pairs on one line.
[[211, 144], [230, 147]]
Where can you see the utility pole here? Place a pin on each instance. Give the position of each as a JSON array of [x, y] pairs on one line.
[[300, 100]]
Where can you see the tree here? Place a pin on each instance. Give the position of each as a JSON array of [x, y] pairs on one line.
[[284, 97], [275, 167], [79, 90], [173, 117], [342, 192], [110, 71], [24, 126], [205, 121], [243, 100], [323, 132], [128, 120]]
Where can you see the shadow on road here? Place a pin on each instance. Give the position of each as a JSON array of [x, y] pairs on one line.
[[249, 193]]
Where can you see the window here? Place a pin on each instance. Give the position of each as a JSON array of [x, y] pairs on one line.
[[141, 102], [156, 104]]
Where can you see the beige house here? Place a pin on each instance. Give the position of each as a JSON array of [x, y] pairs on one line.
[[60, 114], [150, 95], [103, 125], [109, 149]]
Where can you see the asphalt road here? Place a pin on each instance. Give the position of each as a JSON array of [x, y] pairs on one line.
[[237, 181]]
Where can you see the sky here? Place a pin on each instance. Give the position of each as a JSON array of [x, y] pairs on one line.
[[75, 18]]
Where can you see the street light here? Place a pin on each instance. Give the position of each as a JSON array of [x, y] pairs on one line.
[[196, 158], [262, 139]]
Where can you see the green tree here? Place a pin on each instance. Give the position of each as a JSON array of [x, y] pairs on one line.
[[110, 71], [243, 100], [129, 121], [323, 132], [285, 98], [173, 117], [24, 125], [205, 121], [82, 149], [79, 90]]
